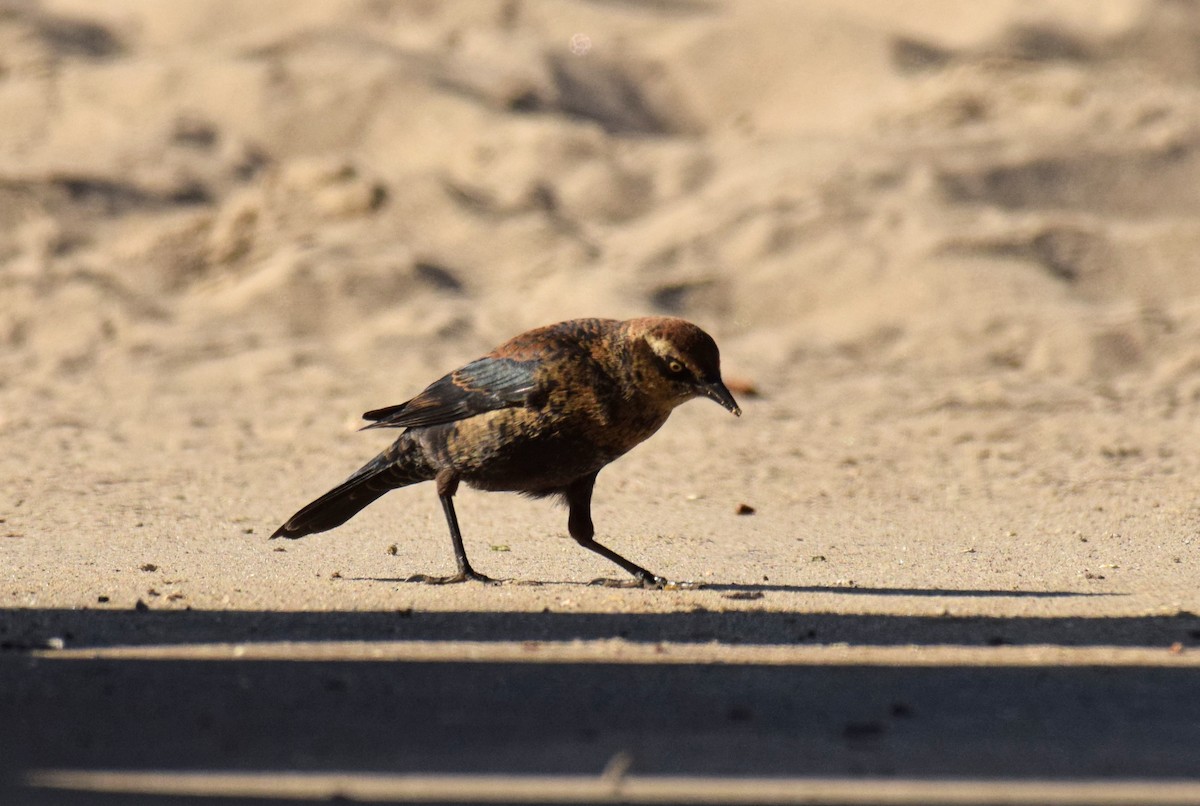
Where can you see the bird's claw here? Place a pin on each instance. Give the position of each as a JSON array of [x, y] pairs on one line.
[[605, 582], [649, 582], [461, 576]]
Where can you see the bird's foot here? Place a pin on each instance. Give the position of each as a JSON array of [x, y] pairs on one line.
[[650, 582], [469, 575], [605, 582]]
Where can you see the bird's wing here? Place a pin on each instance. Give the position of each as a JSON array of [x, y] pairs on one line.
[[484, 385]]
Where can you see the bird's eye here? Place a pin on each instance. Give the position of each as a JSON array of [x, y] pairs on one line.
[[675, 367]]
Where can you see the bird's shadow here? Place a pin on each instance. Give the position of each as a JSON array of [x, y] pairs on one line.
[[754, 589], [855, 590]]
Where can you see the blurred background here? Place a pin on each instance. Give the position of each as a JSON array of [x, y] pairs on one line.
[[1006, 189]]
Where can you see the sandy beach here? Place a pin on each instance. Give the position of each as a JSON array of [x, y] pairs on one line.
[[948, 554]]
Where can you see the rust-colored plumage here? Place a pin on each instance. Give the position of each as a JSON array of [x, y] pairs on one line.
[[540, 415]]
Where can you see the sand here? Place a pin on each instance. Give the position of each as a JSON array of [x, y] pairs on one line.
[[948, 251]]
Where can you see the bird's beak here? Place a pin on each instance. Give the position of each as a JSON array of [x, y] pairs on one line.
[[717, 391]]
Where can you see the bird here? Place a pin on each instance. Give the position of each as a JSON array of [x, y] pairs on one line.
[[540, 415]]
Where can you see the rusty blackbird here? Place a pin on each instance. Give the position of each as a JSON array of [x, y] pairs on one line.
[[541, 415]]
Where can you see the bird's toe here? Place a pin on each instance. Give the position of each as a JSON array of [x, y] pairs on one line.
[[606, 582], [461, 576], [649, 582], [681, 585]]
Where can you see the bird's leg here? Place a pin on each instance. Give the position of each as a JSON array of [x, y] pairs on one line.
[[579, 524], [447, 485]]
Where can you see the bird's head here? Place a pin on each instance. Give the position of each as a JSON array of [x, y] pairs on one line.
[[678, 361]]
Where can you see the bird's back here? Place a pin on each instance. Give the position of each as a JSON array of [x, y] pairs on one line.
[[586, 411]]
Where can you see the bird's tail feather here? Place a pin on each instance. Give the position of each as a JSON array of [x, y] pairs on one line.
[[398, 466]]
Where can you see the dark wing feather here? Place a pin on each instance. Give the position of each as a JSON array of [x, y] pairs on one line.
[[484, 385]]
